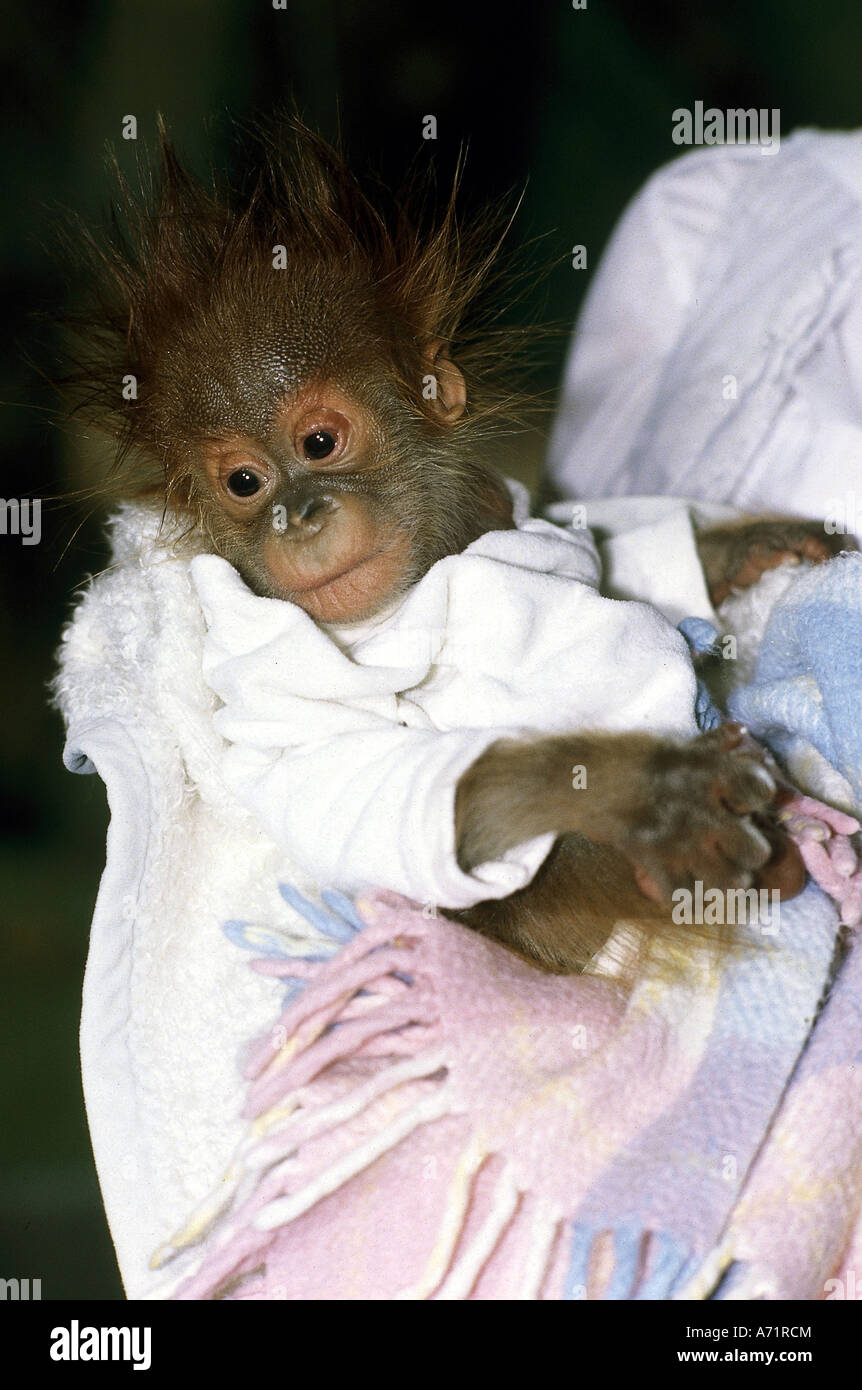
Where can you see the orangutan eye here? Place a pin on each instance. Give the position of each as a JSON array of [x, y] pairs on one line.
[[318, 445], [244, 483]]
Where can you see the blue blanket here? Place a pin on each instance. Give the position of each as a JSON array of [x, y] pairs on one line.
[[807, 689]]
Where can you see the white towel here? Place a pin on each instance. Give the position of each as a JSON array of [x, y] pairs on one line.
[[168, 1000]]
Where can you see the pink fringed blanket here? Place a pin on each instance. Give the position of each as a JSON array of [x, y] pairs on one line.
[[433, 1118]]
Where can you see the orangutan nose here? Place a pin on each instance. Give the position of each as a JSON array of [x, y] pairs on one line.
[[308, 517]]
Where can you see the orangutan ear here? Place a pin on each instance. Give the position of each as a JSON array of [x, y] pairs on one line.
[[449, 398]]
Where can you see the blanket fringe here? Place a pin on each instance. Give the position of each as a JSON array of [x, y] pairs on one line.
[[358, 1005]]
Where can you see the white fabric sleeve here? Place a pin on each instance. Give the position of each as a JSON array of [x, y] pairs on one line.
[[375, 808], [718, 354]]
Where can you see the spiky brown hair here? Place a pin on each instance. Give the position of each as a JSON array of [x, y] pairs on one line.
[[185, 301]]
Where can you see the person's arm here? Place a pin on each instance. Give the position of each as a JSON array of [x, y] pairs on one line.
[[639, 299]]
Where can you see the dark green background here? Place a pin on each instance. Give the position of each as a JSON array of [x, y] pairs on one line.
[[580, 102]]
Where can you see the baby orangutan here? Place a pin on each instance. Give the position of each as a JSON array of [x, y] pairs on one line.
[[312, 401]]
